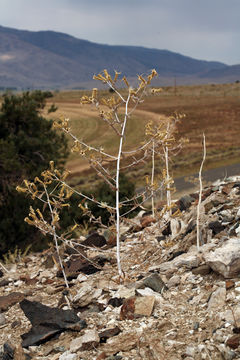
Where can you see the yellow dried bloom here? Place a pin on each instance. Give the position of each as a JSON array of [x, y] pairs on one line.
[[21, 189], [39, 213], [61, 193], [126, 82], [142, 79], [156, 90], [65, 174], [85, 100], [56, 125], [116, 76], [177, 213], [28, 221], [94, 93], [51, 163], [38, 180], [74, 227], [69, 193], [99, 77], [55, 219], [34, 195]]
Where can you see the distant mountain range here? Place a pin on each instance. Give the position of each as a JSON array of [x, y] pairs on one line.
[[48, 59]]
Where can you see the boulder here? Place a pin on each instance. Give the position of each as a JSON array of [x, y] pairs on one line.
[[47, 322], [225, 260]]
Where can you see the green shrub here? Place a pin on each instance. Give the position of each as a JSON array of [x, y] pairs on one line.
[[27, 144]]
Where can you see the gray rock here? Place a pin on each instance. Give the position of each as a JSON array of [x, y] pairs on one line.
[[226, 353], [2, 319], [216, 227], [173, 281], [217, 299], [185, 202], [226, 259], [86, 295], [155, 283], [190, 351], [202, 270], [189, 260], [68, 356]]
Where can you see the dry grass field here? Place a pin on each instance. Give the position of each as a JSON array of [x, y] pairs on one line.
[[212, 109]]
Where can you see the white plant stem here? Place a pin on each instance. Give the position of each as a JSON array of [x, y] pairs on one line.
[[117, 187], [200, 193], [3, 267], [152, 179], [169, 200]]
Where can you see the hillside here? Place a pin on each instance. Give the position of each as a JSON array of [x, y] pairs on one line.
[[175, 302], [48, 59]]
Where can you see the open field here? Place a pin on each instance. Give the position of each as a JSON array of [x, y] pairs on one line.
[[212, 109]]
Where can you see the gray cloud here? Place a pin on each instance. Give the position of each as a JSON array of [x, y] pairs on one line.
[[206, 29]]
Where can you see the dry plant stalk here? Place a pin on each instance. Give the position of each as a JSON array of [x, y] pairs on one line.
[[200, 193], [54, 192], [165, 144], [52, 189]]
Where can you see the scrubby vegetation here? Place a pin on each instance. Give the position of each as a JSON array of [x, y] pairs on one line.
[[27, 144]]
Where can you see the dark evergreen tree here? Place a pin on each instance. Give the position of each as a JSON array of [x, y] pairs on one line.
[[27, 144]]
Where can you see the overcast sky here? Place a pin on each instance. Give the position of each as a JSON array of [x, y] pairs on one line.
[[203, 29]]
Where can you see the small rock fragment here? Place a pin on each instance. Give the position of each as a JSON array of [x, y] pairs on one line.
[[144, 305], [234, 341], [173, 281], [123, 342], [229, 284], [7, 351], [155, 283], [128, 308], [204, 269], [217, 299], [185, 202], [10, 300], [115, 302], [137, 306], [68, 356], [2, 319], [94, 240], [216, 227], [86, 342], [108, 333], [86, 295], [189, 260], [147, 221], [124, 292]]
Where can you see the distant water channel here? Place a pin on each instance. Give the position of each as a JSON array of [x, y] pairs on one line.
[[183, 186]]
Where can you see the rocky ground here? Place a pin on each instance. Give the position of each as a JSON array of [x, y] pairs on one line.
[[175, 302]]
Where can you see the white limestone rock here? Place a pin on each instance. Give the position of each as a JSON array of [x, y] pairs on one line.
[[86, 342], [86, 295], [226, 259]]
